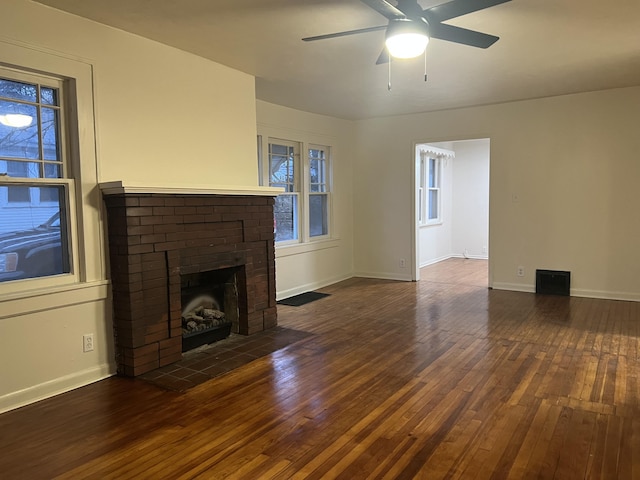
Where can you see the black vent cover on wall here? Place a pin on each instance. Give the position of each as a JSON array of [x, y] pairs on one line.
[[553, 282]]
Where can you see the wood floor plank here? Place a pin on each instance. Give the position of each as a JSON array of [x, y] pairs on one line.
[[437, 379]]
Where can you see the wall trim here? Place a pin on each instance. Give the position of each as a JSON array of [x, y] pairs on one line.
[[56, 386], [469, 257], [453, 255], [34, 301], [433, 261], [575, 292], [514, 287], [624, 296], [404, 277], [280, 295], [119, 187], [301, 248]]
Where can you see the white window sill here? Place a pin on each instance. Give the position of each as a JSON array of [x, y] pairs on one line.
[[31, 301], [432, 224], [312, 246]]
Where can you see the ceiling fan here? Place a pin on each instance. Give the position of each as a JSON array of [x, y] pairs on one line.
[[410, 27]]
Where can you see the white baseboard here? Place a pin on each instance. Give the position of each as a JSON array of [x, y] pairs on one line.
[[575, 292], [404, 277], [435, 260], [514, 287], [298, 289], [54, 387], [453, 255], [625, 296], [471, 257]]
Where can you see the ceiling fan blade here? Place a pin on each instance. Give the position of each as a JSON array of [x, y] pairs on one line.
[[462, 35], [384, 57], [457, 8], [344, 34], [385, 9]]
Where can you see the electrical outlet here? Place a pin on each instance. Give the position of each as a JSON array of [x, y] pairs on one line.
[[87, 342], [520, 271], [403, 263], [484, 249]]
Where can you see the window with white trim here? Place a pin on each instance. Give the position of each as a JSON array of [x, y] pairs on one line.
[[302, 211], [34, 185], [318, 190], [429, 190], [284, 166]]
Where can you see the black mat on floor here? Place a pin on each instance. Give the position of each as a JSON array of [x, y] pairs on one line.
[[302, 299]]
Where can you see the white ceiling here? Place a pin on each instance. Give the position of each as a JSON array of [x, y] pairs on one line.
[[546, 48]]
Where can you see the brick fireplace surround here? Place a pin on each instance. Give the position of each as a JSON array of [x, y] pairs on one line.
[[156, 235]]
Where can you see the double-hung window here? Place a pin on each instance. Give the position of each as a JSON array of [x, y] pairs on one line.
[[318, 190], [284, 166], [302, 211], [429, 190], [34, 188]]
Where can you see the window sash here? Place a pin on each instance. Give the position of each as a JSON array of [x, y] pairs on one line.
[[34, 191], [319, 195], [429, 191], [286, 218], [318, 214]]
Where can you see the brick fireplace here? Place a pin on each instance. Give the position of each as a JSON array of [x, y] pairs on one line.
[[157, 236]]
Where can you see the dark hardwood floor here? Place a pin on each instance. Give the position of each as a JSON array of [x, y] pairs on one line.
[[436, 379]]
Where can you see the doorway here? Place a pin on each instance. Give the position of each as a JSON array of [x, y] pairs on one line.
[[451, 202]]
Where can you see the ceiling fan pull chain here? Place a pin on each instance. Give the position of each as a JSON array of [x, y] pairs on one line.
[[389, 83], [425, 65]]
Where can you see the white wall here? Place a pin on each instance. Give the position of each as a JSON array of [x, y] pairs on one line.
[[162, 117], [571, 163], [301, 268], [470, 215]]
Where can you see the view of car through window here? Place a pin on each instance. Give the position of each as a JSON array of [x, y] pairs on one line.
[[32, 253], [34, 213]]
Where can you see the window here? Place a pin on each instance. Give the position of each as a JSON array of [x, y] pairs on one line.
[[302, 212], [318, 191], [283, 172], [429, 190], [34, 192]]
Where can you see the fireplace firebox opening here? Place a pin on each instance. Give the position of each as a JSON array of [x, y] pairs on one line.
[[209, 306]]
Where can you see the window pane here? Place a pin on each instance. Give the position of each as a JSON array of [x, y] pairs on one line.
[[318, 215], [317, 173], [281, 170], [53, 170], [433, 204], [18, 194], [314, 171], [278, 149], [18, 169], [432, 173], [17, 90], [18, 130], [48, 96], [50, 134], [32, 243], [49, 194], [286, 217]]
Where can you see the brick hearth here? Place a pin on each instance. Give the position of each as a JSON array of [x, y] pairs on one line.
[[156, 238]]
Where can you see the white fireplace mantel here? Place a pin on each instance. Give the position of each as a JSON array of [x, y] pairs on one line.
[[119, 187]]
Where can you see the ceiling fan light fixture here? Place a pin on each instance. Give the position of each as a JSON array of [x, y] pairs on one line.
[[406, 38]]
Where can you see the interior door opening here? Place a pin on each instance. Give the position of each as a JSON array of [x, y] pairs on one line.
[[451, 202]]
